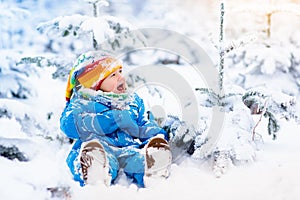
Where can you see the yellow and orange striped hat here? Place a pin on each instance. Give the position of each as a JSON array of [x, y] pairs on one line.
[[89, 71]]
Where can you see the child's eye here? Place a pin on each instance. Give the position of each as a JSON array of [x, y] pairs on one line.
[[120, 71]]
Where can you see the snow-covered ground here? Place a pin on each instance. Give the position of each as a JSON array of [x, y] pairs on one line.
[[274, 175]]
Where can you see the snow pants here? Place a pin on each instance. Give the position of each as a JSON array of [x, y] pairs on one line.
[[130, 159]]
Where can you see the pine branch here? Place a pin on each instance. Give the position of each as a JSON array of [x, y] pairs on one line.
[[273, 126], [215, 99], [40, 61], [239, 43], [12, 153]]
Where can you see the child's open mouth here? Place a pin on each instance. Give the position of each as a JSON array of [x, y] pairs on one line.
[[121, 87]]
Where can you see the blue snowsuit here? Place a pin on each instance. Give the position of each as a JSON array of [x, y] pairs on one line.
[[122, 132]]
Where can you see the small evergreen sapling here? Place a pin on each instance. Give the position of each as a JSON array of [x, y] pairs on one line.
[[106, 33], [236, 143]]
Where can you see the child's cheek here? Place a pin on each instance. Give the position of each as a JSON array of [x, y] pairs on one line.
[[114, 87]]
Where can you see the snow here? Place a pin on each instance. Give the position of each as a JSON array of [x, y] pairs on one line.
[[270, 168], [274, 173]]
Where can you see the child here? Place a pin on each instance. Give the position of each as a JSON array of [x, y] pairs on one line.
[[111, 128]]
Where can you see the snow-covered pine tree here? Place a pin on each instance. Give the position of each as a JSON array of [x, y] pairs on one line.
[[16, 88], [271, 64], [18, 108], [237, 142], [105, 33]]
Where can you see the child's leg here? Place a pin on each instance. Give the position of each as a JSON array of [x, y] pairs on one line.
[[153, 160], [74, 163], [113, 162], [132, 160]]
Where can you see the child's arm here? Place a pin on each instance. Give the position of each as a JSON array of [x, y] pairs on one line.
[[148, 127], [67, 122]]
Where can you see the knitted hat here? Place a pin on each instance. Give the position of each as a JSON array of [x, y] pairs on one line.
[[90, 70]]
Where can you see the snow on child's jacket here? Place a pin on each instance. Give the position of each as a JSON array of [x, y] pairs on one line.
[[86, 119], [118, 121]]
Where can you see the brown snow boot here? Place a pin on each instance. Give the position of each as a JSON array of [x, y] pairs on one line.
[[158, 157], [94, 163]]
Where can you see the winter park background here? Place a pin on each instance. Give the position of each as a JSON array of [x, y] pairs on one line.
[[256, 154]]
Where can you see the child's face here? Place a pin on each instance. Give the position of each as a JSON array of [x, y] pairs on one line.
[[115, 83]]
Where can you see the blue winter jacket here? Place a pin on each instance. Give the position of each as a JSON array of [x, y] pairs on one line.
[[86, 119]]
